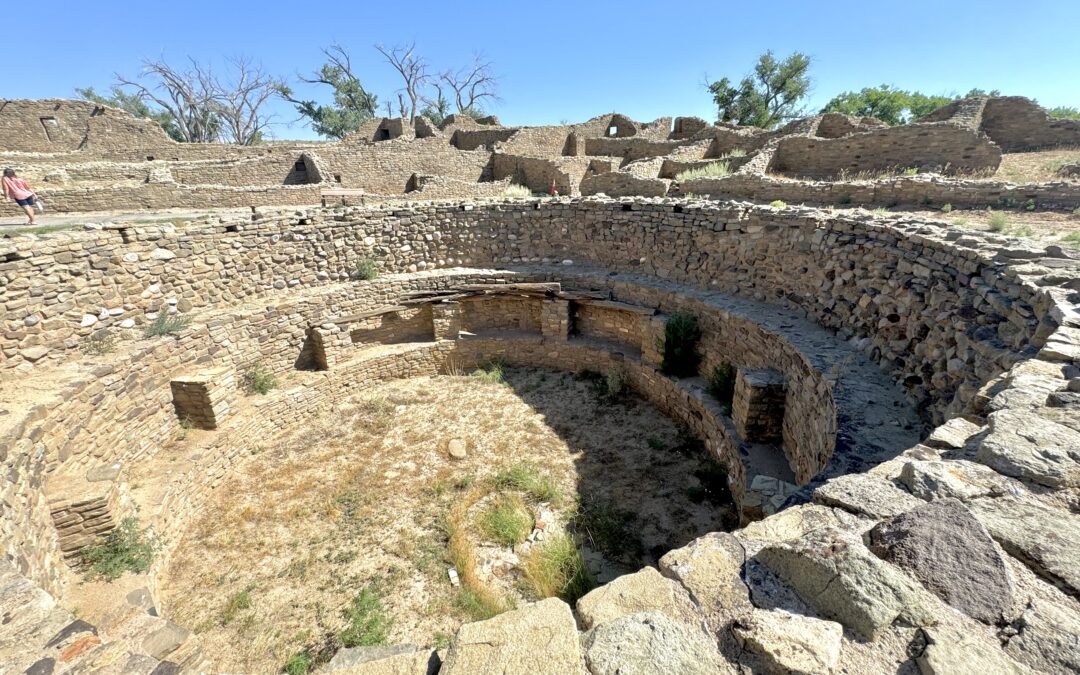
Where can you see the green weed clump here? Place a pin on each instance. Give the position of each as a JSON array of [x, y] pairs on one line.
[[366, 270], [507, 521], [997, 221], [259, 380], [681, 336], [722, 385], [492, 373], [517, 192], [166, 324], [710, 170], [556, 569], [127, 548], [779, 203], [528, 479], [369, 623], [299, 664], [946, 208]]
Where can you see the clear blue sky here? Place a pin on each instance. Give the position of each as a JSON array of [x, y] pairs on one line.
[[568, 60]]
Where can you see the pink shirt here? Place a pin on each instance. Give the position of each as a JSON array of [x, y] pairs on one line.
[[17, 188]]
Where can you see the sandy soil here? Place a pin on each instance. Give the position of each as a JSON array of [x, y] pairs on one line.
[[359, 499], [1043, 227]]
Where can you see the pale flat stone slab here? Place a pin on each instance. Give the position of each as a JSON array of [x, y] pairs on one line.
[[1025, 445], [641, 591], [789, 643], [649, 642]]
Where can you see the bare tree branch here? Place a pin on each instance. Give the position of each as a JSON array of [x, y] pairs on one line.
[[413, 71], [240, 101], [472, 84]]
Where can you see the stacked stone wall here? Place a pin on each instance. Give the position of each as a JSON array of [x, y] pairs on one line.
[[1016, 123]]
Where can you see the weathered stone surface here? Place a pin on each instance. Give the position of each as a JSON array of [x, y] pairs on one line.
[[954, 433], [1026, 446], [782, 642], [384, 660], [946, 548], [866, 494], [791, 524], [165, 640], [710, 569], [949, 652], [1046, 539], [456, 449], [642, 591], [538, 638], [839, 577], [956, 479], [1048, 638], [649, 642]]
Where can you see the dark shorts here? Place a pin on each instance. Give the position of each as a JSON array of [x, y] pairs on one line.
[[29, 201]]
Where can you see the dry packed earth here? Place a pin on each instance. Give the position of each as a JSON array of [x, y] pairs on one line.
[[360, 499]]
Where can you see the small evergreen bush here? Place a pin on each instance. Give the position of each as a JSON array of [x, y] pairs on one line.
[[681, 336]]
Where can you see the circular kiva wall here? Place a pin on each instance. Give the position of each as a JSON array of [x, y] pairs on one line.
[[828, 320]]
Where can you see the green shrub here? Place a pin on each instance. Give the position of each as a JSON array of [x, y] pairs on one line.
[[615, 384], [880, 212], [492, 373], [997, 221], [710, 170], [959, 221], [259, 380], [681, 336], [1072, 237], [366, 270], [722, 385], [127, 548], [369, 624], [166, 324], [910, 171], [299, 664], [507, 521], [1076, 212], [556, 569], [778, 204], [517, 192], [946, 208], [529, 480], [234, 605], [1030, 205]]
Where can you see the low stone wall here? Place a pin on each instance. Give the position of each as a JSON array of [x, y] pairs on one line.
[[1017, 123], [939, 147]]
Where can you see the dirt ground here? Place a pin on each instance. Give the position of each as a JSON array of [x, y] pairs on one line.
[[1035, 167], [1042, 227], [359, 499]]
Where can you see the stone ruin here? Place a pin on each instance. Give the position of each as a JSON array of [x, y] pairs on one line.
[[85, 157], [903, 443]]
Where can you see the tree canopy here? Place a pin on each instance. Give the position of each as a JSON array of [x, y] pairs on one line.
[[768, 96], [893, 106], [353, 105], [132, 103]]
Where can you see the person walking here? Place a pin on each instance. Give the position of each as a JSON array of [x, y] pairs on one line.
[[18, 189]]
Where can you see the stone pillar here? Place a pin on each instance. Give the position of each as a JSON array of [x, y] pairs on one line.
[[446, 320], [652, 340], [205, 399], [328, 344], [555, 319], [83, 509], [758, 406]]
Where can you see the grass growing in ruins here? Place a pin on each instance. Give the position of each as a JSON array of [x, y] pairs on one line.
[[517, 192], [369, 624], [681, 336], [259, 380], [1072, 238], [528, 479], [997, 221], [711, 170], [166, 324], [127, 548], [475, 599], [299, 664], [778, 204], [236, 603], [722, 385], [507, 521], [492, 373], [607, 529], [366, 270], [556, 569]]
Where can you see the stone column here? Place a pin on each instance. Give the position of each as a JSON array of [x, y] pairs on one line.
[[555, 319], [652, 340], [758, 406], [446, 320], [205, 399]]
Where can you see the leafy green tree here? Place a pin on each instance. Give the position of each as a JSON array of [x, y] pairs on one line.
[[768, 96], [353, 105], [893, 106], [133, 103], [1064, 113]]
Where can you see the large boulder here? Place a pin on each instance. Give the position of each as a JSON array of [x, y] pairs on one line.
[[949, 652], [866, 494], [642, 591], [946, 548], [1024, 445], [1044, 538], [710, 568], [839, 577], [538, 638], [781, 642], [650, 642], [1048, 638]]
